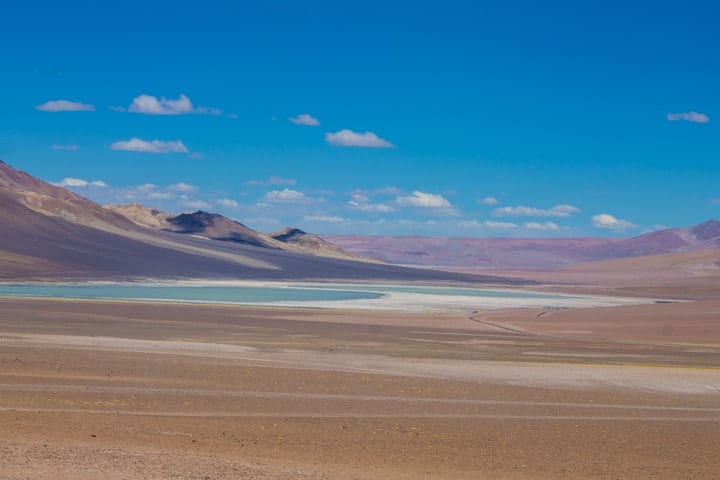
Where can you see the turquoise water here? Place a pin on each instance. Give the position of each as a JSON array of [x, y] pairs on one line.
[[215, 294], [248, 294]]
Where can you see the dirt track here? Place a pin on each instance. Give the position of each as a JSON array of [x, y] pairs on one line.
[[138, 391]]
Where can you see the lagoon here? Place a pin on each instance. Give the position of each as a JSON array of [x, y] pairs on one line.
[[316, 295]]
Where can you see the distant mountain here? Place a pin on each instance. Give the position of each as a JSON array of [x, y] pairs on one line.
[[47, 232], [705, 236], [697, 263], [522, 253], [219, 227], [203, 224], [312, 243], [53, 201]]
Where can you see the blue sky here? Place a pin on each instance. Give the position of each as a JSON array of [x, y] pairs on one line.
[[514, 118]]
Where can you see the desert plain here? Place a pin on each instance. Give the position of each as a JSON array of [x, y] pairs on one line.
[[143, 390]]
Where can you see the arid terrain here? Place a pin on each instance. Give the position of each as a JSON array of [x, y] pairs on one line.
[[255, 240], [120, 390], [528, 253], [140, 390]]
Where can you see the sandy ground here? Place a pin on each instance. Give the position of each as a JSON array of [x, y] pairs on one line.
[[119, 390]]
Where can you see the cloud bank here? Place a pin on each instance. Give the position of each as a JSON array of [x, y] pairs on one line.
[[149, 146], [522, 211], [420, 199], [286, 195], [693, 117], [80, 183], [65, 106], [607, 221], [150, 105], [305, 119], [348, 138]]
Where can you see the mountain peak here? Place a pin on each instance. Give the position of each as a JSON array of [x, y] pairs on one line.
[[308, 241], [709, 230], [287, 233], [10, 176]]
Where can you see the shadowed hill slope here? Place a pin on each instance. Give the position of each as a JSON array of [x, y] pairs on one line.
[[200, 223], [218, 227], [51, 233], [312, 243]]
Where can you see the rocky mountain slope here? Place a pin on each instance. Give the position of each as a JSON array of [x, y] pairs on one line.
[[218, 227], [48, 232]]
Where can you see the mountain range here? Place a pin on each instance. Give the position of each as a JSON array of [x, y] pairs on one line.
[[218, 227], [48, 232], [523, 253]]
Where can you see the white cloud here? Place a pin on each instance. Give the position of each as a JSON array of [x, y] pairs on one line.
[[541, 226], [160, 195], [324, 219], [273, 180], [150, 146], [151, 105], [80, 183], [521, 211], [196, 156], [285, 196], [70, 148], [183, 187], [499, 225], [348, 138], [495, 225], [362, 202], [420, 199], [380, 191], [72, 182], [373, 207], [228, 203], [305, 119], [489, 201], [605, 220], [693, 117], [491, 224], [64, 106]]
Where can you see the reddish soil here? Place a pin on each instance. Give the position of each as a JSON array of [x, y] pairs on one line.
[[142, 391]]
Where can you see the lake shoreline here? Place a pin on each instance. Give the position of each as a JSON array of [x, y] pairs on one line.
[[335, 296]]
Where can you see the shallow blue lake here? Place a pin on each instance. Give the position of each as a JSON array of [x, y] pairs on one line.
[[215, 294], [249, 294]]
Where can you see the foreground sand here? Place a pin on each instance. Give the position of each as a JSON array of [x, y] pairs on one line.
[[145, 391]]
